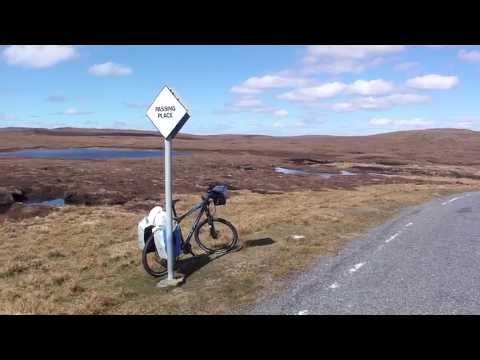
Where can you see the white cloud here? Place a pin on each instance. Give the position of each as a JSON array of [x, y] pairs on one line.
[[433, 82], [345, 107], [466, 122], [280, 113], [336, 67], [469, 56], [314, 93], [404, 124], [38, 56], [249, 103], [379, 102], [351, 51], [5, 117], [109, 69], [405, 99], [372, 87], [278, 125], [328, 90], [338, 59], [242, 90], [257, 84], [73, 112], [273, 81], [299, 123]]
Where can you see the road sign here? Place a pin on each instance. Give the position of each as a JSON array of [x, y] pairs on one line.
[[167, 113]]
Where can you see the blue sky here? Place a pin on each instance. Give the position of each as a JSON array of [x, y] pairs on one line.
[[273, 90]]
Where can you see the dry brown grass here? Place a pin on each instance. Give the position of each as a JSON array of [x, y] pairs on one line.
[[84, 260]]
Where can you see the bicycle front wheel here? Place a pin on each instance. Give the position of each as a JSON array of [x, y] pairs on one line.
[[152, 263], [219, 237]]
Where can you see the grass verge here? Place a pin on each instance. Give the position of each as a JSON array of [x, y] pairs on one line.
[[85, 260]]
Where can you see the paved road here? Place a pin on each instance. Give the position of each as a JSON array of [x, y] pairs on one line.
[[425, 261]]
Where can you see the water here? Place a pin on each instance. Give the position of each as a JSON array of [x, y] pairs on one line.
[[386, 175], [58, 202], [347, 173], [286, 171], [92, 153]]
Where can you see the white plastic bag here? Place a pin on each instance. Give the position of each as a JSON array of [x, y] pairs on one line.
[[160, 236], [153, 213], [142, 225], [156, 217]]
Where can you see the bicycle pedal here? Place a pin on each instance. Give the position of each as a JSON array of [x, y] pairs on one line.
[[187, 249]]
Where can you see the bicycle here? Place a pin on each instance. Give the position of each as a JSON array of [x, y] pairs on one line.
[[212, 234]]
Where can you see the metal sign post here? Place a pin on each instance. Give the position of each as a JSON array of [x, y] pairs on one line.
[[168, 115], [168, 207]]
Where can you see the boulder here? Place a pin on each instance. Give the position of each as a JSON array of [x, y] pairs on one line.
[[5, 198], [9, 195], [248, 167]]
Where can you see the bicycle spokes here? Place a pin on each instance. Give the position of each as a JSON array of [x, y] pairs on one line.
[[213, 232]]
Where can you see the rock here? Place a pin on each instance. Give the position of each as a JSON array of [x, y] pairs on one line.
[[296, 237], [9, 195], [248, 167], [6, 198]]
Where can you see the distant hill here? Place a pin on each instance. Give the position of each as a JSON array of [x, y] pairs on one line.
[[447, 146]]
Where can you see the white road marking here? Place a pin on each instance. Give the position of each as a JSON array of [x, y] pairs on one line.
[[303, 312], [409, 224], [334, 285], [355, 267], [392, 237], [451, 200]]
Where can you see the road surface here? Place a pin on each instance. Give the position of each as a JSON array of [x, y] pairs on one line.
[[424, 261]]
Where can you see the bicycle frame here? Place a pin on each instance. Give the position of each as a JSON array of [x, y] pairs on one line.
[[202, 206]]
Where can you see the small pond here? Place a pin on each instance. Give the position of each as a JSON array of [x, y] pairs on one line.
[[58, 202], [324, 175], [92, 153]]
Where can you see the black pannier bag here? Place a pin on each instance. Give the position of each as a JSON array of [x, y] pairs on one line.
[[148, 232], [219, 194]]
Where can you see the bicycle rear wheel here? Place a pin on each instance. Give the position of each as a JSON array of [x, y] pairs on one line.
[[221, 237], [152, 263]]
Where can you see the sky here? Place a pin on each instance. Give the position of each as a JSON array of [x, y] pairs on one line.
[[271, 90]]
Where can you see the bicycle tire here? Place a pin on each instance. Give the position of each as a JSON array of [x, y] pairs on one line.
[[231, 244], [145, 264]]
